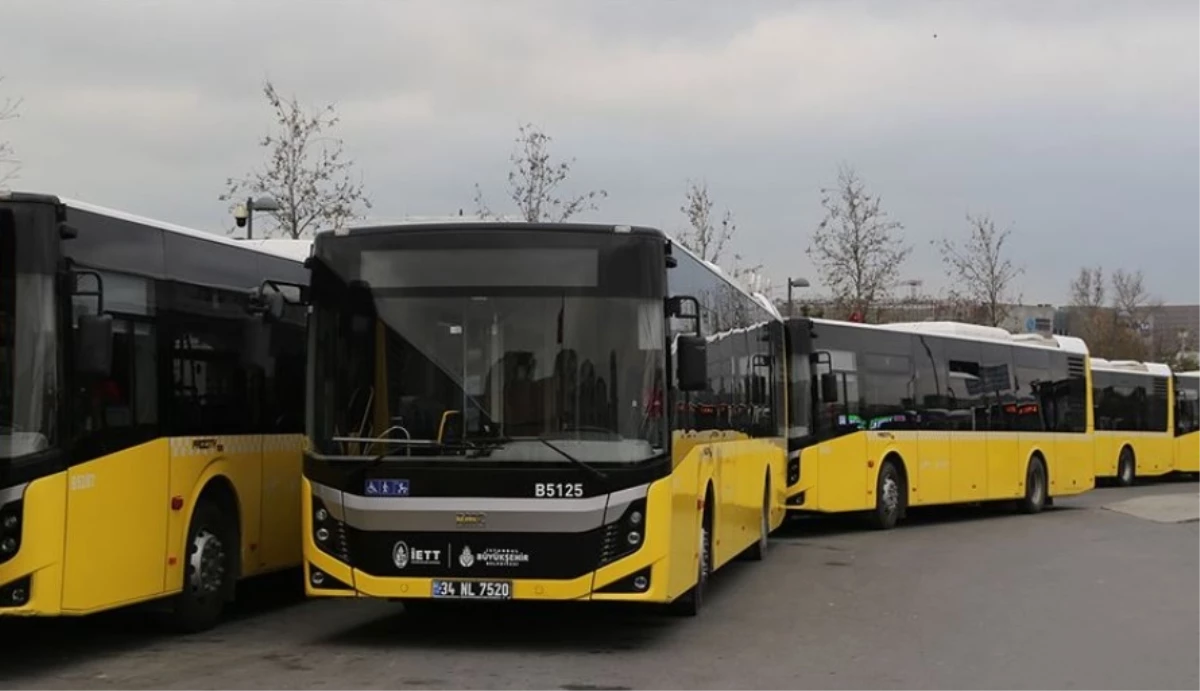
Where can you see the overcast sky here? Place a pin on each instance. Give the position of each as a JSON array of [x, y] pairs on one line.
[[1074, 122]]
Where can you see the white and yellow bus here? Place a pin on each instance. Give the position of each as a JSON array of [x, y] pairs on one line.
[[1135, 430], [886, 417], [150, 428], [509, 411]]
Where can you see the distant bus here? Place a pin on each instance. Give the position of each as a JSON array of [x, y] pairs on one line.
[[150, 428], [1187, 422], [887, 417], [512, 411], [1135, 431]]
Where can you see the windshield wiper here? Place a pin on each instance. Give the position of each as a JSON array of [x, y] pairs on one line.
[[589, 468], [427, 443]]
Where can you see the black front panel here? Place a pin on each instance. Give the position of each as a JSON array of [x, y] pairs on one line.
[[504, 259], [479, 555]]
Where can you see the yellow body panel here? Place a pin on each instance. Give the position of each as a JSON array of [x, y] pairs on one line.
[[282, 465], [736, 467], [117, 509], [41, 553], [1153, 452], [1187, 453], [105, 534], [840, 474], [1072, 466]]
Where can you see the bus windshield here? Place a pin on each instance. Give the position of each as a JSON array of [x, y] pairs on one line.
[[491, 370], [27, 358]]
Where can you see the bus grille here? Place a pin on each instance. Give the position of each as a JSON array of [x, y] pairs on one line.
[[341, 544], [1075, 367], [610, 543]]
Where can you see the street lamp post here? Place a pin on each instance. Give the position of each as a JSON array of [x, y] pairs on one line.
[[797, 283], [243, 214]]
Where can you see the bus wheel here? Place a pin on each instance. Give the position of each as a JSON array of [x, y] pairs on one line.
[[758, 551], [690, 603], [1126, 468], [889, 497], [1035, 486], [208, 570]]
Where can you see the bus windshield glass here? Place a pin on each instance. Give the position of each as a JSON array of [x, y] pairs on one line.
[[27, 359], [490, 372]]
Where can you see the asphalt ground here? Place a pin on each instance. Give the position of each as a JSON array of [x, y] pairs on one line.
[[1094, 593]]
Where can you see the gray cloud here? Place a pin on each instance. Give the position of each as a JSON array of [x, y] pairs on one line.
[[1074, 121]]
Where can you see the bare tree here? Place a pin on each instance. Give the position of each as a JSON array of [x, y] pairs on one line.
[[858, 251], [1088, 289], [1113, 328], [708, 237], [1130, 298], [983, 274], [704, 236], [306, 172], [534, 179], [9, 165]]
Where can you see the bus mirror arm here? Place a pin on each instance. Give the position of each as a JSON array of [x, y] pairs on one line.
[[674, 309], [269, 298]]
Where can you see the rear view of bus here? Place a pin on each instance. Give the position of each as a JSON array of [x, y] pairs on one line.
[[490, 419], [1187, 422]]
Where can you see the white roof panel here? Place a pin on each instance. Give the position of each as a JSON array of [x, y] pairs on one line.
[[253, 245], [974, 332]]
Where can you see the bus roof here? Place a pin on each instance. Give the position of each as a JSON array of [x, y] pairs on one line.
[[974, 332], [1131, 367], [469, 223], [292, 250]]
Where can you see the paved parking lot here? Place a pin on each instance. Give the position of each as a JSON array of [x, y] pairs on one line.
[[1082, 596]]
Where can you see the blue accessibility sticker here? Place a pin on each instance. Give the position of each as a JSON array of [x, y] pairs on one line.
[[379, 487]]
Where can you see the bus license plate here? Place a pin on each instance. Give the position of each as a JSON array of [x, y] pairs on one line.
[[473, 590]]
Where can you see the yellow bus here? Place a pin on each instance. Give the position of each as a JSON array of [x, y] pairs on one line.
[[887, 417], [1135, 430], [1187, 422], [510, 411], [150, 428]]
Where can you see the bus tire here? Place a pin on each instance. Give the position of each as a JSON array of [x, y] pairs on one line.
[[1126, 467], [758, 551], [691, 602], [1035, 486], [889, 497], [209, 569]]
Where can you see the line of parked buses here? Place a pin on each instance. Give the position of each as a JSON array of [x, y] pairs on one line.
[[488, 411]]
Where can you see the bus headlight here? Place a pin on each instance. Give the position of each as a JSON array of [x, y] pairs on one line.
[[328, 532], [625, 535], [10, 530]]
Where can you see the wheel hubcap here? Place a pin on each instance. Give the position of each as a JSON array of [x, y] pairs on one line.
[[208, 563], [1037, 487], [891, 494], [703, 554]]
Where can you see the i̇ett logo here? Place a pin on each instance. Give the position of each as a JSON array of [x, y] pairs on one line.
[[400, 555]]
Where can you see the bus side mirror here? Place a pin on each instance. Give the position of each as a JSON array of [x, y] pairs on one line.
[[691, 358], [269, 305], [829, 387], [94, 354]]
